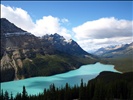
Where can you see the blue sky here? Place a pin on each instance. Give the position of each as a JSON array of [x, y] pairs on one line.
[[76, 11], [79, 13]]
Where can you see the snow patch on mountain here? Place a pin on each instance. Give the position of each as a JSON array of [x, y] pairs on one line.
[[17, 34]]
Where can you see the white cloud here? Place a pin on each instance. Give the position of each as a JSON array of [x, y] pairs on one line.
[[104, 28], [18, 16], [103, 32], [94, 44], [46, 25], [90, 35]]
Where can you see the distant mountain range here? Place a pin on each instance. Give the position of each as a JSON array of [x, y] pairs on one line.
[[24, 55], [121, 56], [117, 51]]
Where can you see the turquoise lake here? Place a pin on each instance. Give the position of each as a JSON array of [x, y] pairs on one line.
[[37, 84]]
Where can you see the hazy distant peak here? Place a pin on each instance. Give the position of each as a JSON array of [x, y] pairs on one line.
[[122, 50]]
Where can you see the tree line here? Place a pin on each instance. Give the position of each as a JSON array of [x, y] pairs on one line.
[[93, 90]]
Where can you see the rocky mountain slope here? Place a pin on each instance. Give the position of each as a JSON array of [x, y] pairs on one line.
[[117, 51], [24, 55]]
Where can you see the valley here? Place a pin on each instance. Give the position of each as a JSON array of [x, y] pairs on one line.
[[37, 62]]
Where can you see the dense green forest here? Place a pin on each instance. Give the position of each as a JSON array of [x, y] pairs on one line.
[[51, 64], [106, 86], [45, 65], [121, 64]]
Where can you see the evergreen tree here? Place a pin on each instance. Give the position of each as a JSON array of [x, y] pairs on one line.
[[18, 96], [6, 97], [11, 98], [67, 94], [90, 90], [99, 93], [81, 91], [1, 95], [51, 92], [45, 94], [24, 93], [75, 92]]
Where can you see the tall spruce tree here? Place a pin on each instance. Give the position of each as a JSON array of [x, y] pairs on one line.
[[11, 98], [1, 95], [6, 96], [24, 93], [81, 90]]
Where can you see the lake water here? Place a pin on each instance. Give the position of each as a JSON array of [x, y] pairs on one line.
[[37, 84]]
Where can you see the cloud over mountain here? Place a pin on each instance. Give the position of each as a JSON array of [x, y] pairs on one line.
[[103, 31], [90, 35], [18, 16], [46, 25], [104, 28]]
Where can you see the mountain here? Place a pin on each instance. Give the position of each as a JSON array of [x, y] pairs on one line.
[[103, 50], [8, 27], [24, 55], [121, 56], [117, 51], [67, 46]]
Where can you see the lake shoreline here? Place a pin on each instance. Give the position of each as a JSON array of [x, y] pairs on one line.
[[37, 84]]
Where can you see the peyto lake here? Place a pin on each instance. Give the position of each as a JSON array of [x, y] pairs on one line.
[[37, 84]]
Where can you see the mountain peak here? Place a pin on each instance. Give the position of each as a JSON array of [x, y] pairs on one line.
[[8, 27], [122, 50]]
